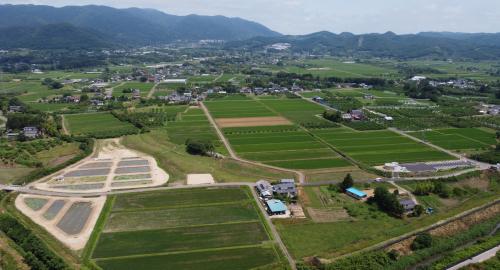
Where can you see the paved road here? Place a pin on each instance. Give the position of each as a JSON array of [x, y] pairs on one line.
[[481, 165], [477, 259], [301, 176]]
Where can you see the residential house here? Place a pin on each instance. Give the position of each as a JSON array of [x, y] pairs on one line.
[[408, 205], [357, 114], [15, 109], [285, 187], [31, 132], [264, 188], [346, 117]]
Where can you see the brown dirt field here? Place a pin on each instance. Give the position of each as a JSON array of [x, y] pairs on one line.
[[480, 183], [327, 215], [252, 121]]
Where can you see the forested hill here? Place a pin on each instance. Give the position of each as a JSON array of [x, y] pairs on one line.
[[106, 25], [431, 44]]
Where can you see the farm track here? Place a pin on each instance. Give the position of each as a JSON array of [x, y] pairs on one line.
[[152, 91], [63, 124], [300, 175]]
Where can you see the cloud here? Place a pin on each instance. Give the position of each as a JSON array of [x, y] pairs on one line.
[[306, 16]]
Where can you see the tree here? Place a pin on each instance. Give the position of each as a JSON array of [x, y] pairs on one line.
[[423, 240], [388, 202], [199, 146], [347, 182], [418, 210], [334, 116]]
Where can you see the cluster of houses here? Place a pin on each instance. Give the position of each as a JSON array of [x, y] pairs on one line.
[[269, 194], [273, 89], [458, 83], [489, 109], [408, 204], [29, 133]]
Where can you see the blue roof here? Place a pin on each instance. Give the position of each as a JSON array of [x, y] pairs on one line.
[[276, 206], [356, 192]]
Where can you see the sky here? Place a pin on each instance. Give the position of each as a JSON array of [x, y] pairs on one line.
[[307, 16]]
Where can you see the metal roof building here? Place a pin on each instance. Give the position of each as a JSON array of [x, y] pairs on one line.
[[276, 207], [356, 193]]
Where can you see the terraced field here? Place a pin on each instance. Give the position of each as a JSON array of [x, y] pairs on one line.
[[283, 146], [458, 138], [379, 147], [186, 229]]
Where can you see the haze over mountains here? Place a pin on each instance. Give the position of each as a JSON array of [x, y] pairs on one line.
[[90, 27]]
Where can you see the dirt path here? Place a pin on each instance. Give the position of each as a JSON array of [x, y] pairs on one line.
[[300, 175], [63, 124], [152, 91], [218, 77], [412, 197]]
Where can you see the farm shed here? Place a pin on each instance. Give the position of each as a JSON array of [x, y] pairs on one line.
[[276, 207], [356, 193]]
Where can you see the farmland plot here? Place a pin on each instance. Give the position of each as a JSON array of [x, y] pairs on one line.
[[458, 138], [238, 109], [185, 229], [98, 124], [379, 147], [291, 148]]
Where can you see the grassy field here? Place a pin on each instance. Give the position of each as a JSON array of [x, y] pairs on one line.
[[96, 123], [459, 138], [143, 87], [185, 229], [173, 158], [355, 225], [378, 147], [341, 69], [193, 124]]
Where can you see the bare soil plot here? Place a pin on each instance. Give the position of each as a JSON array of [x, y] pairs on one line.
[[54, 209], [75, 218], [91, 172], [96, 165], [199, 179], [328, 215], [252, 121], [125, 170], [137, 162], [71, 220], [112, 161]]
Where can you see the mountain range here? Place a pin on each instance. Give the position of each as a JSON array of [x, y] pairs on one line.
[[91, 27], [40, 26], [427, 44]]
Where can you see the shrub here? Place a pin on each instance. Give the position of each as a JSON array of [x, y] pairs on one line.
[[423, 240]]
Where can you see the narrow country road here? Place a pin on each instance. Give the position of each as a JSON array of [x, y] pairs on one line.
[[412, 197], [300, 175]]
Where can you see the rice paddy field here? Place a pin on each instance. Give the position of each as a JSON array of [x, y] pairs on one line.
[[185, 229], [341, 69], [459, 138], [283, 146], [378, 147], [299, 111], [97, 123]]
